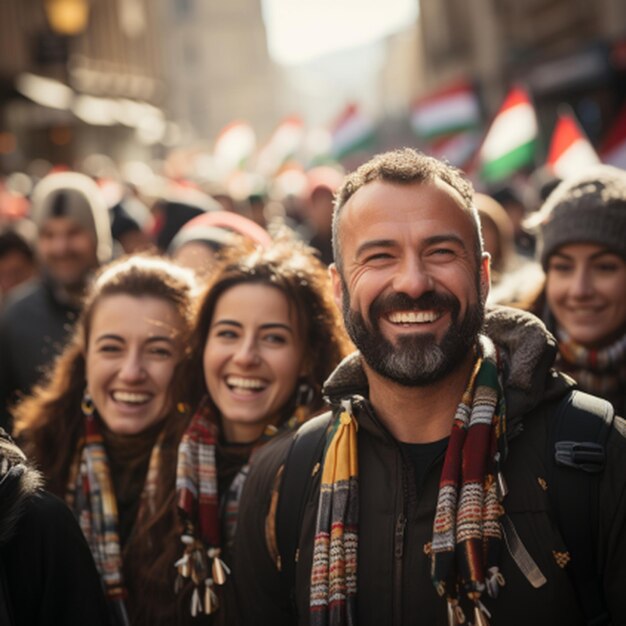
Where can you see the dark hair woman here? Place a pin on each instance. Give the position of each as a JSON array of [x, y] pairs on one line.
[[106, 426], [266, 337]]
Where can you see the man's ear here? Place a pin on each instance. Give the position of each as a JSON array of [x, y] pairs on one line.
[[337, 284], [485, 277]]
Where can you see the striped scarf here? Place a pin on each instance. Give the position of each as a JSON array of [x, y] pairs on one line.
[[91, 496], [201, 510], [600, 372], [197, 498], [466, 532]]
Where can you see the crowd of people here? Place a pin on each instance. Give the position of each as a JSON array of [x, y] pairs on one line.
[[224, 419]]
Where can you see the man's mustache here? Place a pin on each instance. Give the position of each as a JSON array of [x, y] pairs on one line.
[[431, 301]]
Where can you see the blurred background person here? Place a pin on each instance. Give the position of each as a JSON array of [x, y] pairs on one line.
[[73, 239], [513, 276], [266, 337], [322, 181], [200, 242], [105, 429], [511, 201], [582, 248], [177, 205], [17, 262], [47, 574]]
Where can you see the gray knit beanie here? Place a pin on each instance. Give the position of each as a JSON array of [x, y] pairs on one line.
[[590, 208], [71, 194]]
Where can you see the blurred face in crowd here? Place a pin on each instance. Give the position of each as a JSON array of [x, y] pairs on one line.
[[67, 251], [586, 292], [253, 358], [133, 349], [15, 268], [410, 289]]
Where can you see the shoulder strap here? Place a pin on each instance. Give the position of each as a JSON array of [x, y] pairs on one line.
[[306, 449], [580, 429], [6, 613]]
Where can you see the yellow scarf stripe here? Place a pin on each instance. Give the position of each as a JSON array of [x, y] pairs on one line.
[[341, 462]]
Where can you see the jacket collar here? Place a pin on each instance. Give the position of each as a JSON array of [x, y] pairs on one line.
[[528, 351]]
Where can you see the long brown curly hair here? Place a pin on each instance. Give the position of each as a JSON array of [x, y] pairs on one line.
[[293, 268], [49, 424]]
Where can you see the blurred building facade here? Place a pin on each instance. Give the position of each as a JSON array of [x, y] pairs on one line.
[[78, 77], [217, 66], [562, 51]]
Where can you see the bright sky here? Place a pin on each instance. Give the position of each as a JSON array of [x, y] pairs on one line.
[[300, 30]]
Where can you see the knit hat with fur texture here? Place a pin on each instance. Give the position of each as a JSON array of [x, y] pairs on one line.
[[590, 208], [74, 195]]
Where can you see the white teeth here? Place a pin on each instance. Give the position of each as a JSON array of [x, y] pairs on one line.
[[412, 317], [245, 383], [133, 398]]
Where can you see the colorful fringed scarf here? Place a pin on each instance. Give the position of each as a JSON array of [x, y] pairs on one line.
[[91, 496], [197, 497], [202, 508], [599, 372], [466, 533], [333, 577]]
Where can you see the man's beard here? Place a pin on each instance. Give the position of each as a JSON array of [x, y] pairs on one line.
[[416, 359]]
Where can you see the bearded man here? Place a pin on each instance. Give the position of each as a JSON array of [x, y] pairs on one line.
[[429, 503]]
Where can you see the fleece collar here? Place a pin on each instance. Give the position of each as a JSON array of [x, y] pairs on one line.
[[528, 351]]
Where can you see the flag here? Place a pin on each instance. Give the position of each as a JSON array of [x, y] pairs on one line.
[[352, 132], [570, 151], [448, 111], [511, 140], [613, 147], [234, 146], [282, 146], [457, 149]]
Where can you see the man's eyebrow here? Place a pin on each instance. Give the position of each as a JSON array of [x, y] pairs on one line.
[[374, 243], [429, 241], [445, 238]]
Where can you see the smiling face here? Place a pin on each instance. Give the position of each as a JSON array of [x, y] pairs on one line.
[[133, 348], [67, 251], [253, 358], [586, 292], [410, 290]]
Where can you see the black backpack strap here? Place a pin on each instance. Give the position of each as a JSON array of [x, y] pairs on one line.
[[580, 429], [6, 613], [305, 451]]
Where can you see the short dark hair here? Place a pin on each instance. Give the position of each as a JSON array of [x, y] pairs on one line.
[[404, 167]]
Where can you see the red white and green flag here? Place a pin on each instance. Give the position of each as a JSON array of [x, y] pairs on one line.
[[457, 149], [283, 145], [511, 141], [448, 111], [353, 131], [613, 147], [570, 151]]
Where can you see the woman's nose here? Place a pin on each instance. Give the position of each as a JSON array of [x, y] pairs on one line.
[[247, 354], [582, 284], [132, 368]]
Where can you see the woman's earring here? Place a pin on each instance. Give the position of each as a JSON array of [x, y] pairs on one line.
[[87, 405]]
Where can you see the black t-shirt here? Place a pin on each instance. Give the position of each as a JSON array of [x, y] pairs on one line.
[[423, 455]]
